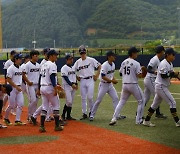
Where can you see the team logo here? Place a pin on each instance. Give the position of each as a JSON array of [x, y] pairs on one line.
[[83, 67]]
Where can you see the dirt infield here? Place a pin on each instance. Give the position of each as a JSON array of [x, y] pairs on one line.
[[78, 137]]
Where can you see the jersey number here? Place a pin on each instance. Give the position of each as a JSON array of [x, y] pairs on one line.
[[127, 70]]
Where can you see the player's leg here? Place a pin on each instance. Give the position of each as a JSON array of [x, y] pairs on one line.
[[167, 96], [138, 94], [5, 100], [90, 94], [20, 104], [1, 106], [54, 100], [69, 105], [83, 90], [147, 92], [12, 104], [113, 94], [102, 90], [123, 99], [156, 102]]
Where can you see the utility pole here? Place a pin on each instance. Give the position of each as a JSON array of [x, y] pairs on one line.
[[1, 44], [34, 41]]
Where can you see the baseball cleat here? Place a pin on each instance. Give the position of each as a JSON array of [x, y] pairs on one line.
[[19, 123], [42, 129], [58, 128], [121, 117], [62, 122], [2, 126], [70, 118], [91, 118], [161, 116], [148, 123], [178, 124], [7, 122], [112, 123], [84, 116], [33, 120]]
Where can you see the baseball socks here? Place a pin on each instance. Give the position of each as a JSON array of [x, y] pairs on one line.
[[69, 113], [174, 114], [1, 106], [63, 116]]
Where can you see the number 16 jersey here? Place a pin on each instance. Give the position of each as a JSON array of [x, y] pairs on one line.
[[130, 68]]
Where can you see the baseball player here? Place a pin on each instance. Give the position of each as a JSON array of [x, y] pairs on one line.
[[4, 89], [23, 86], [38, 111], [149, 80], [85, 68], [130, 70], [69, 83], [106, 84], [162, 82], [7, 64], [31, 76], [48, 89], [16, 99]]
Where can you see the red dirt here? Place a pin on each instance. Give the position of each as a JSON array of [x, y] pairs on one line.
[[78, 137]]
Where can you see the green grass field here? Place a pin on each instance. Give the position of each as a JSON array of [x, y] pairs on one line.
[[165, 131]]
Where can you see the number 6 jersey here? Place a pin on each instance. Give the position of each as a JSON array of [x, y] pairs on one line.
[[129, 70]]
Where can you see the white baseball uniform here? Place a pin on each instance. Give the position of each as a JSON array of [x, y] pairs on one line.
[[23, 86], [32, 71], [70, 92], [16, 98], [149, 80], [85, 69], [130, 68], [161, 86], [47, 90], [105, 87]]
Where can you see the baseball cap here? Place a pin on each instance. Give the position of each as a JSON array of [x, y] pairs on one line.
[[159, 48], [110, 53], [82, 49], [8, 88], [46, 50], [170, 51], [132, 50], [26, 56], [18, 56], [52, 52], [68, 56], [13, 52]]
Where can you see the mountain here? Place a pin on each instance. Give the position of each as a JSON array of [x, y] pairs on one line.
[[73, 22]]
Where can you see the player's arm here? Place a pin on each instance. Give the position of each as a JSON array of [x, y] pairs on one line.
[[170, 75], [13, 84], [73, 85], [97, 73], [149, 70], [26, 79], [114, 81], [53, 82]]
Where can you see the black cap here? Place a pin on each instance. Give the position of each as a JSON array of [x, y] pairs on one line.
[[27, 56], [46, 50], [159, 48], [13, 52], [170, 51], [52, 52], [132, 50], [8, 88], [82, 49], [110, 53], [18, 56], [68, 56]]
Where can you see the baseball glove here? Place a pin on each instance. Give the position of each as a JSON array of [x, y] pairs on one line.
[[144, 71], [61, 94]]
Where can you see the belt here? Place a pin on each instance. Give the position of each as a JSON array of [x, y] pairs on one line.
[[129, 83], [46, 84], [89, 77], [105, 82]]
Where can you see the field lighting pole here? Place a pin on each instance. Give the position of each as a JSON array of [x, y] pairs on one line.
[[178, 9]]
